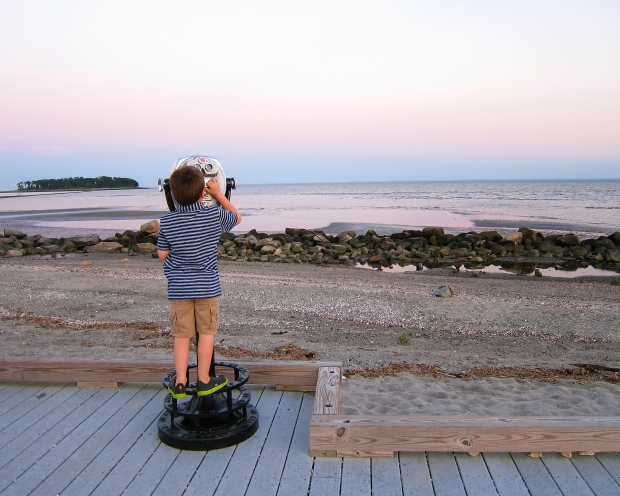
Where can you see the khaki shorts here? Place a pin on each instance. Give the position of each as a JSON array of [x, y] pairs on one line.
[[190, 316]]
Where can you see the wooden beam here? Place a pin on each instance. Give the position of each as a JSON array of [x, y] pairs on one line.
[[327, 397], [337, 435], [285, 373]]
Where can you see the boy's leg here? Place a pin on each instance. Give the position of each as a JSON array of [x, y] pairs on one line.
[[181, 358], [205, 352], [183, 328], [207, 312]]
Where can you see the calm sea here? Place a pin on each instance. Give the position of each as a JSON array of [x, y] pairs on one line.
[[586, 208]]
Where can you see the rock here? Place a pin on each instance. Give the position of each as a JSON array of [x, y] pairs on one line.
[[86, 263], [569, 240], [320, 238], [125, 260], [5, 241], [261, 242], [491, 236], [151, 227], [267, 249], [429, 231], [104, 247], [374, 259], [14, 253], [339, 249], [538, 273], [145, 247], [579, 251], [350, 234], [444, 239], [613, 256], [515, 237], [16, 234], [130, 302], [615, 237], [443, 292], [530, 234], [546, 246], [603, 242]]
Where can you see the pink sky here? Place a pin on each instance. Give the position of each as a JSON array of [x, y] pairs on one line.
[[99, 85]]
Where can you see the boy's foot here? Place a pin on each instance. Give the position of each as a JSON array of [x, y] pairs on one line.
[[178, 390], [215, 384]]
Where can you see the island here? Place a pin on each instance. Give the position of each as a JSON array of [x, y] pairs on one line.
[[100, 182]]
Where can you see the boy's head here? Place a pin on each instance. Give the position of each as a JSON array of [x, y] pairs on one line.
[[187, 185]]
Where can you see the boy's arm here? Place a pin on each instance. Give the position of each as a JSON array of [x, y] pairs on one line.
[[213, 188], [163, 254]]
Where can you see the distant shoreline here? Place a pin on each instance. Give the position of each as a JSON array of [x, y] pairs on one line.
[[34, 192]]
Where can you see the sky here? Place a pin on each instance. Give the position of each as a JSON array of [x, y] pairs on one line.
[[293, 92]]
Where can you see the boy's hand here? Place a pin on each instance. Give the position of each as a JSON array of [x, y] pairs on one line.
[[213, 188]]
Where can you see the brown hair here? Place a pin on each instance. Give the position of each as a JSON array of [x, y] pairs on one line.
[[186, 185]]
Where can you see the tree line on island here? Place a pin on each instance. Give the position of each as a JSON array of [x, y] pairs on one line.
[[78, 183]]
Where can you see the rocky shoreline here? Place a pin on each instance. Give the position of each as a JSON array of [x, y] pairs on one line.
[[430, 247]]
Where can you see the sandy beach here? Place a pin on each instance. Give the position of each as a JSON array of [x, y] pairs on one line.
[[116, 307]]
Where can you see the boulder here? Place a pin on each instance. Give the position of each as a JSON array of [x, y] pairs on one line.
[[14, 253], [267, 249], [320, 238], [444, 239], [613, 255], [579, 251], [151, 227], [16, 234], [104, 247], [569, 240], [491, 236], [146, 247], [515, 237], [546, 246], [429, 231], [603, 242], [530, 234], [443, 292], [6, 241], [350, 234], [615, 237]]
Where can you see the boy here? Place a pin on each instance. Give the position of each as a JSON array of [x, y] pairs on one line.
[[187, 244]]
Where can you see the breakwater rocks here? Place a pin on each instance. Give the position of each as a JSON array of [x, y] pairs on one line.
[[430, 247]]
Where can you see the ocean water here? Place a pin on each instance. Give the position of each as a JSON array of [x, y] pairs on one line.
[[586, 208]]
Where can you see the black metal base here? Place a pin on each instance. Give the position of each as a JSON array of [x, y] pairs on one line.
[[209, 422]]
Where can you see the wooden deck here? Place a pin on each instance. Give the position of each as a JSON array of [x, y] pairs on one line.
[[59, 439]]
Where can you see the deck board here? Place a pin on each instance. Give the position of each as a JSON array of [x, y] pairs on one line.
[[415, 474], [104, 442]]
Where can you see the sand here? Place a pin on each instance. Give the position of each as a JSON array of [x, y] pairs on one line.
[[58, 308]]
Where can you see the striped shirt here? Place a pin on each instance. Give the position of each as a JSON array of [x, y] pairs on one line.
[[191, 234]]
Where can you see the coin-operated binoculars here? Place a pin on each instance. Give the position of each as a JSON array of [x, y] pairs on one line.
[[223, 418]]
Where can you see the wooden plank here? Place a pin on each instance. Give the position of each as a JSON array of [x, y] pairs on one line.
[[153, 471], [565, 475], [180, 472], [505, 474], [386, 477], [123, 439], [124, 472], [595, 475], [611, 462], [16, 394], [298, 467], [48, 441], [288, 373], [326, 476], [327, 397], [31, 411], [40, 470], [535, 475], [301, 389], [475, 475], [266, 476], [42, 426], [368, 433], [415, 474], [207, 477], [445, 474], [355, 477], [75, 469], [237, 476], [100, 384]]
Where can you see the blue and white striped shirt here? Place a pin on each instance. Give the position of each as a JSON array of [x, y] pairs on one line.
[[191, 234]]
